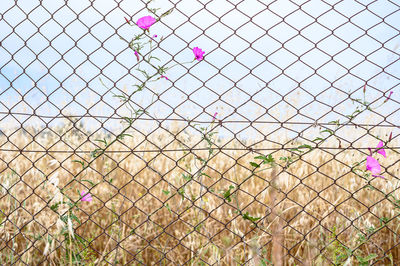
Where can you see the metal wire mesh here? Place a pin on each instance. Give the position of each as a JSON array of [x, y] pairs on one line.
[[277, 72]]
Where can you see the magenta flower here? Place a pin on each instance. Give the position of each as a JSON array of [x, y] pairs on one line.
[[146, 22], [162, 76], [86, 196], [215, 116], [137, 56], [373, 166], [198, 53], [390, 94], [381, 151], [155, 36]]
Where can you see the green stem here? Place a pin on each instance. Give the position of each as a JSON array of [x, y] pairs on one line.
[[184, 63]]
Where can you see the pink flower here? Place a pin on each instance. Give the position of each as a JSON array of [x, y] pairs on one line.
[[198, 53], [155, 36], [215, 116], [373, 166], [164, 77], [145, 22], [390, 94], [86, 196], [381, 151], [137, 56]]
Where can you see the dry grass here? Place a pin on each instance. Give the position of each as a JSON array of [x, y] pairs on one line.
[[309, 209]]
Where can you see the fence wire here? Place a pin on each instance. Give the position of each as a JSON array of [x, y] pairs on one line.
[[255, 155]]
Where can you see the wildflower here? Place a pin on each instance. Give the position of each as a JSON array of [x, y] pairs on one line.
[[373, 166], [387, 98], [137, 56], [162, 76], [155, 36], [215, 116], [198, 53], [86, 196], [381, 151], [146, 22]]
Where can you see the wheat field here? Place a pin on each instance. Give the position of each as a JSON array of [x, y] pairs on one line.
[[146, 211]]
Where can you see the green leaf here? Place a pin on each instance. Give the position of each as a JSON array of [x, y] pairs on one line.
[[139, 87], [306, 146], [335, 122], [266, 159], [296, 149], [328, 131], [200, 159], [124, 135], [181, 192], [255, 165], [54, 207], [77, 161], [246, 216], [264, 262], [187, 177], [205, 175], [120, 96], [103, 141], [153, 57], [167, 12], [73, 217], [227, 193], [90, 182], [166, 205], [94, 153], [129, 120], [138, 112], [166, 192], [370, 187], [270, 159], [385, 220]]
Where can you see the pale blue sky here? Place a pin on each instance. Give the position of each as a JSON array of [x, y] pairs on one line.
[[85, 45]]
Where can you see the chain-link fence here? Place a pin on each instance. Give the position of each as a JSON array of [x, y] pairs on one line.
[[279, 147]]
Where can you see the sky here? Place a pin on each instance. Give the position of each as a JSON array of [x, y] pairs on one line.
[[265, 61]]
